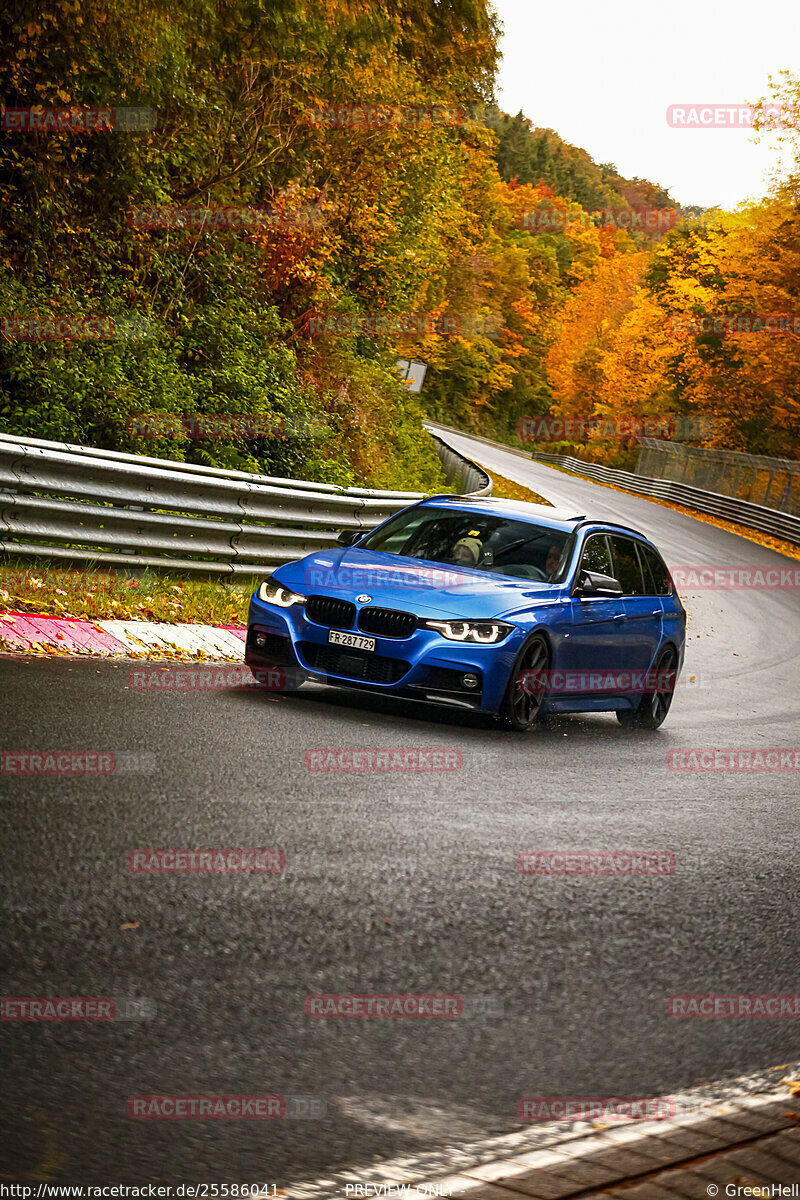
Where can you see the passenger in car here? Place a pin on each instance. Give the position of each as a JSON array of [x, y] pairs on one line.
[[467, 551]]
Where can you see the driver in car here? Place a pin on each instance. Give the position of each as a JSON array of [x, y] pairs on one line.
[[552, 561]]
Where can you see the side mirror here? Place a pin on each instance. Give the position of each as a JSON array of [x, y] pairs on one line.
[[349, 537], [594, 583]]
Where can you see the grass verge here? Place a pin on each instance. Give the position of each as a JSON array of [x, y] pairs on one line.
[[506, 489], [90, 595]]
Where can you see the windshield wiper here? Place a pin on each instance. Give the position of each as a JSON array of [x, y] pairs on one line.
[[515, 545]]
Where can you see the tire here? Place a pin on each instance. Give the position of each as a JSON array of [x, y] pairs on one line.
[[651, 711], [520, 709]]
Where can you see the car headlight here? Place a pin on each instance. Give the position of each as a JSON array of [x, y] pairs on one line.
[[485, 632], [273, 593]]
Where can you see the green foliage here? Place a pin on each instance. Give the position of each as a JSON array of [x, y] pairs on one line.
[[230, 88], [411, 216]]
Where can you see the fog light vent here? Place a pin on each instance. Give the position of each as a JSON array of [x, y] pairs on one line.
[[469, 681]]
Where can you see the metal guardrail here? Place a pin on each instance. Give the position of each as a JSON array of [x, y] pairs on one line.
[[755, 478], [79, 504], [727, 508], [466, 476]]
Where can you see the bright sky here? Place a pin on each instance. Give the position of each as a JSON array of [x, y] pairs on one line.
[[604, 75]]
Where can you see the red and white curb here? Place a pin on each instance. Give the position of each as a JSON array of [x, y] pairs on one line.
[[31, 633]]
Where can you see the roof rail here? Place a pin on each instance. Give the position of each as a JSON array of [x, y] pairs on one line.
[[612, 524], [558, 514]]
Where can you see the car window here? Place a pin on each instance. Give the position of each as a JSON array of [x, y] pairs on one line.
[[627, 568], [662, 585], [596, 555], [481, 541], [396, 534]]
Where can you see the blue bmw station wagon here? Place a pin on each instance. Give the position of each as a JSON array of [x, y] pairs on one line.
[[511, 609]]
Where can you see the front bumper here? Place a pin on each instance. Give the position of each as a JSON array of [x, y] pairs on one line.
[[424, 666]]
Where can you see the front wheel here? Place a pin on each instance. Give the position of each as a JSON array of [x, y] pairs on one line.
[[526, 686], [652, 709]]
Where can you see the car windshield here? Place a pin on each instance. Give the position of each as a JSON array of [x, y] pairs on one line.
[[480, 541]]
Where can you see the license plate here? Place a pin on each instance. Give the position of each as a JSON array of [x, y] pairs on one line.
[[355, 640]]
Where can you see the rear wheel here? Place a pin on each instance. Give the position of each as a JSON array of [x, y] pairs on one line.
[[526, 686], [652, 709]]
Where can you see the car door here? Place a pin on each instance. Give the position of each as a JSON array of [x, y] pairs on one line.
[[594, 637], [642, 607], [673, 621]]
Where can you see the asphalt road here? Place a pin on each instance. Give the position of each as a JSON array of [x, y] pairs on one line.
[[394, 883]]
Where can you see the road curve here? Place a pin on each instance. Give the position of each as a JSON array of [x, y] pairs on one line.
[[394, 883]]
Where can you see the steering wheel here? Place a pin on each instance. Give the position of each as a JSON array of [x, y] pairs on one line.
[[525, 571]]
